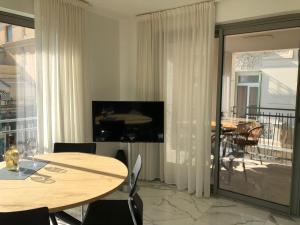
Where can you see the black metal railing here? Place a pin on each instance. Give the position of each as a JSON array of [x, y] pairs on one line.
[[278, 133]]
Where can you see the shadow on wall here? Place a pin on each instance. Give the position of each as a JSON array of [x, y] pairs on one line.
[[275, 93]]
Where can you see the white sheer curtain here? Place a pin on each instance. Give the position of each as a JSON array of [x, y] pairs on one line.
[[59, 42], [174, 64], [22, 53]]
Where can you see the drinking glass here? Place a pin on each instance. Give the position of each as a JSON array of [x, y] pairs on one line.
[[31, 148], [22, 151], [34, 153]]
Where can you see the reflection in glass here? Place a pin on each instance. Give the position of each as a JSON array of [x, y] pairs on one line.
[[258, 114], [17, 87]]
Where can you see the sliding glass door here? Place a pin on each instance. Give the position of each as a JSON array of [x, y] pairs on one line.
[[258, 115]]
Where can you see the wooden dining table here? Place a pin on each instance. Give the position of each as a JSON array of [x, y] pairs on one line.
[[68, 180]]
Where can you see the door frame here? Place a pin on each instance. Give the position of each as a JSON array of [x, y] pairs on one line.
[[248, 85], [264, 24], [14, 19]]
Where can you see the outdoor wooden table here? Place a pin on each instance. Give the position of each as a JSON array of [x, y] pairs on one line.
[[225, 124], [67, 181], [231, 123]]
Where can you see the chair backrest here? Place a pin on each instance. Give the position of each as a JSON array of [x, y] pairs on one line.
[[134, 201], [39, 216], [75, 147], [244, 127], [137, 207], [255, 132], [135, 175]]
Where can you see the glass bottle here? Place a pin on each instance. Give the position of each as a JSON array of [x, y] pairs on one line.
[[12, 157]]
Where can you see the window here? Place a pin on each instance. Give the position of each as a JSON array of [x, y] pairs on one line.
[[248, 79], [17, 88], [9, 33], [247, 94]]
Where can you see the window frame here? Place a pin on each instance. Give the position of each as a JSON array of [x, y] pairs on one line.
[[14, 19], [249, 85], [9, 30]]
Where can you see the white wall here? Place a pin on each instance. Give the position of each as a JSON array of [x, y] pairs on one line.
[[102, 68], [279, 82], [128, 54], [237, 10]]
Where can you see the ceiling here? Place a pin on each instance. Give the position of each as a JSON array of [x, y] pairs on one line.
[[135, 7]]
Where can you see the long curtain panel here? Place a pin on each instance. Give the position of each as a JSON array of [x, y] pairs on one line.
[[24, 55], [21, 54], [174, 64], [59, 45]]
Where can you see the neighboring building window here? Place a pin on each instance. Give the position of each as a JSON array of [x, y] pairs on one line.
[[248, 93], [9, 33], [248, 79]]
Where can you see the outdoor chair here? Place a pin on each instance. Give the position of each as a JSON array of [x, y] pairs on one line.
[[247, 135]]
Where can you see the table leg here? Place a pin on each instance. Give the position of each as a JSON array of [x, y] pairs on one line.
[[67, 218], [82, 213], [53, 219]]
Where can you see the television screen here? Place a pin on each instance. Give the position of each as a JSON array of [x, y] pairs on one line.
[[128, 121]]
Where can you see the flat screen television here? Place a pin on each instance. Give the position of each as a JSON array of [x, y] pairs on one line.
[[128, 121]]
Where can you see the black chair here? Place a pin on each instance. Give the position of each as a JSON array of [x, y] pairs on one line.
[[75, 147], [116, 212], [71, 147], [39, 216]]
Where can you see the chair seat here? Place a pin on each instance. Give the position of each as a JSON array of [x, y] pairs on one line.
[[39, 216], [113, 212]]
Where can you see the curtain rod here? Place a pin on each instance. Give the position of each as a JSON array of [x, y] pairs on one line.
[[178, 7]]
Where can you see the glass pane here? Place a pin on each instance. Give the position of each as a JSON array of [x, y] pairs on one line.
[[258, 119], [17, 87], [253, 102], [242, 96], [248, 79]]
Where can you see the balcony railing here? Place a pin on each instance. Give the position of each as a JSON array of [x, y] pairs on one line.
[[24, 131], [278, 133]]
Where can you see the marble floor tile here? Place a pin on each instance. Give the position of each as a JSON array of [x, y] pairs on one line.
[[164, 205]]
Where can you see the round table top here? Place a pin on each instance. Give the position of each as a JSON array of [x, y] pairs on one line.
[[225, 124], [68, 180]]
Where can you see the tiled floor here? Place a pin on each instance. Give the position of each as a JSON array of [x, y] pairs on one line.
[[268, 180], [164, 205]]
